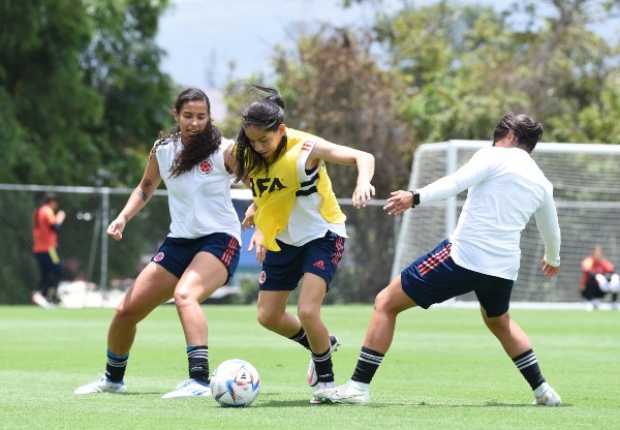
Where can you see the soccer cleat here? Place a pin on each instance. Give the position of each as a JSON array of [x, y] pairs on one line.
[[313, 377], [545, 395], [355, 393], [189, 388], [39, 300], [101, 385], [320, 387]]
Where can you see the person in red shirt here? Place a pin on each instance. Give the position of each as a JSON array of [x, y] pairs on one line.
[[46, 220], [598, 278]]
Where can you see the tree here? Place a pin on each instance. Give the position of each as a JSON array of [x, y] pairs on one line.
[[467, 65], [81, 94], [80, 86], [449, 71]]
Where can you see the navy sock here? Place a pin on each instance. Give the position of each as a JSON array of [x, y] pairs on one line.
[[301, 338], [323, 365], [528, 366], [367, 364], [115, 367], [198, 362]]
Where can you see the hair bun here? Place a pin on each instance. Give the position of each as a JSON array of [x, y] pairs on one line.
[[272, 95]]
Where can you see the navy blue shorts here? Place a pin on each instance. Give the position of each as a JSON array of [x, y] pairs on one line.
[[435, 277], [175, 254], [282, 270]]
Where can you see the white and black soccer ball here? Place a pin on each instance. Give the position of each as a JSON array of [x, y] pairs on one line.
[[235, 383]]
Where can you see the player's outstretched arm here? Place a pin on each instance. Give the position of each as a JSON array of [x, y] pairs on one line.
[[549, 227], [338, 154], [400, 201], [138, 198]]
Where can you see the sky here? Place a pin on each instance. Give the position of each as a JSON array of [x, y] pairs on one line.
[[202, 38], [201, 41]]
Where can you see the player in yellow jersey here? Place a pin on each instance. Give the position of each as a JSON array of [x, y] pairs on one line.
[[300, 230]]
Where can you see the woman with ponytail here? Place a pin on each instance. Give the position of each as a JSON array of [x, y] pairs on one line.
[[300, 229], [199, 254]]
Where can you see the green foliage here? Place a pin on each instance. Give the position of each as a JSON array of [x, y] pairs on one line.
[[448, 71], [81, 101], [467, 65], [80, 87]]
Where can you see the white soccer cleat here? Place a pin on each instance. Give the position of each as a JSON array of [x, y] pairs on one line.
[[545, 395], [39, 300], [101, 385], [355, 393], [319, 388], [313, 377], [189, 388]]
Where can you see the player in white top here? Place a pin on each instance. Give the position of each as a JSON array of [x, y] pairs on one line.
[[506, 188], [199, 254]]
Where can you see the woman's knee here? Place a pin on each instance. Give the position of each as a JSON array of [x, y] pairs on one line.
[[384, 302], [128, 314], [308, 312], [183, 297], [267, 317], [497, 324]]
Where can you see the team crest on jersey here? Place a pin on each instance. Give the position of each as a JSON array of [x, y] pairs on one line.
[[205, 166], [158, 257], [262, 277], [319, 264]]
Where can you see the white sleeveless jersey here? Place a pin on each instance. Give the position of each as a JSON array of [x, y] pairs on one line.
[[306, 222], [199, 200]]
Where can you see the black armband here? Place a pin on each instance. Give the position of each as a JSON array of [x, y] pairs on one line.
[[416, 198]]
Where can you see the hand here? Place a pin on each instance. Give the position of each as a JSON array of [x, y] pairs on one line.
[[398, 202], [116, 227], [60, 217], [362, 194], [548, 270], [258, 242], [248, 220]]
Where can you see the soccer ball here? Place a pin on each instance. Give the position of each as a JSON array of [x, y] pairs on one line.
[[235, 383]]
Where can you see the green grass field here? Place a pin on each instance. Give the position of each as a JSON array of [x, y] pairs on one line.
[[444, 371]]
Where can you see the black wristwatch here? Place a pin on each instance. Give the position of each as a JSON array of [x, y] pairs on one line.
[[416, 198]]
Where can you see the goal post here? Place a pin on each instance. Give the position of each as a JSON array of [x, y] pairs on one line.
[[586, 180]]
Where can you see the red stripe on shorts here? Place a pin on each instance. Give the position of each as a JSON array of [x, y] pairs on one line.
[[434, 260]]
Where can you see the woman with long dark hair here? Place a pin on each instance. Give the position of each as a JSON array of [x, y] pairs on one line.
[[199, 254], [300, 230]]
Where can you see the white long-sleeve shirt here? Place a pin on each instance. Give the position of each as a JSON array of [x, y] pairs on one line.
[[506, 187]]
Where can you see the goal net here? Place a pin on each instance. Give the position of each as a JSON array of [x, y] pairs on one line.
[[586, 179]]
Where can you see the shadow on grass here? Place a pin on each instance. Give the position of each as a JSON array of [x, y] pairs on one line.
[[378, 405], [299, 403], [488, 404]]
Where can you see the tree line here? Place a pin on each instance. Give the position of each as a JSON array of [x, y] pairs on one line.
[[82, 95]]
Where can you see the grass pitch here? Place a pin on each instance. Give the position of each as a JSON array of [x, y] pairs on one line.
[[444, 371]]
